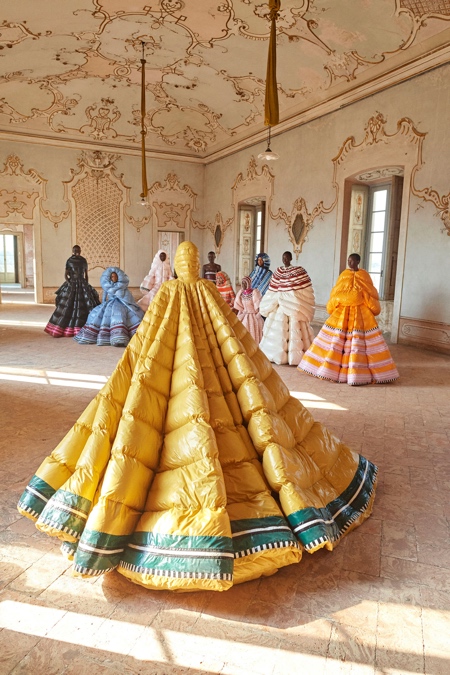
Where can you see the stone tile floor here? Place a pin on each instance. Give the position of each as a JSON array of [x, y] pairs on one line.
[[379, 603]]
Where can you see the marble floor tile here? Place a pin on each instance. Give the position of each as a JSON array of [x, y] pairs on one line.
[[379, 604]]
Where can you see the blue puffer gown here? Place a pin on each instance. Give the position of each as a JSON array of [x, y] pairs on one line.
[[116, 320]]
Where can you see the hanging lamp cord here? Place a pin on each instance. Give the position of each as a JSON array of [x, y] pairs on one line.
[[143, 129]]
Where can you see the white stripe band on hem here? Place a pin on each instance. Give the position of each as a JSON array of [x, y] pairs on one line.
[[330, 522], [184, 553]]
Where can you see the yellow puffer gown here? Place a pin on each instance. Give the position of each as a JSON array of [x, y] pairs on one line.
[[193, 468]]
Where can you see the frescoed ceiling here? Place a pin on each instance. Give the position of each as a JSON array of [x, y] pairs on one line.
[[70, 70]]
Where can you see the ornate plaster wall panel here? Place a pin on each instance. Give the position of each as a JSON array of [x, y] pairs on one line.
[[429, 334], [98, 197], [171, 204], [357, 220], [300, 221], [71, 71], [217, 227]]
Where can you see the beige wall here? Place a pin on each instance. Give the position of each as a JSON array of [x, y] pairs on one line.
[[305, 169], [56, 166]]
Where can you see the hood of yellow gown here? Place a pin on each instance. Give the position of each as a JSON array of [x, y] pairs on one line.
[[194, 468]]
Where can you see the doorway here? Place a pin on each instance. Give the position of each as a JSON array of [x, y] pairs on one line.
[[168, 242], [9, 259], [372, 227], [252, 234]]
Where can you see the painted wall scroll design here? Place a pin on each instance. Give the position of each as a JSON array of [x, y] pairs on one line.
[[172, 204], [217, 227], [300, 221], [21, 192], [98, 196], [407, 135], [441, 202]]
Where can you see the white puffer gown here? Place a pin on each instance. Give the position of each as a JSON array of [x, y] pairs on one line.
[[289, 308]]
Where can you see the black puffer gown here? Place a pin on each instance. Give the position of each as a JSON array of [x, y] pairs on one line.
[[74, 300]]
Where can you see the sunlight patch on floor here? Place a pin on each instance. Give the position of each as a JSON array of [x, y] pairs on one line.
[[313, 401], [52, 377], [32, 324]]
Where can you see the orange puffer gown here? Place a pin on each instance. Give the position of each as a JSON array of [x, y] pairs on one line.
[[350, 347]]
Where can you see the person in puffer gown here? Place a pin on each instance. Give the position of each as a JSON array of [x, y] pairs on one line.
[[288, 307], [116, 320], [350, 347], [194, 468], [247, 304], [74, 299], [226, 290], [159, 273], [261, 274]]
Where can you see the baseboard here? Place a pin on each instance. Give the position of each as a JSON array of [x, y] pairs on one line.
[[428, 334]]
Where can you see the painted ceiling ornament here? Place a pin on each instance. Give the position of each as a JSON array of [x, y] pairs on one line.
[[424, 9], [101, 119], [57, 66]]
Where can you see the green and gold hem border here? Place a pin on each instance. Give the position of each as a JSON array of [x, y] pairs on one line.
[[179, 556], [35, 497], [99, 552], [66, 512], [314, 527], [253, 535]]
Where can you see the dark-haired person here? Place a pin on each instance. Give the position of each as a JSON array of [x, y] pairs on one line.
[[350, 347], [74, 299], [116, 320], [261, 274], [210, 269], [288, 307]]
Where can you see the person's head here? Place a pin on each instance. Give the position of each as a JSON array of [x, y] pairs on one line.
[[353, 261], [260, 261], [162, 256], [211, 257], [114, 277], [76, 250], [221, 279], [246, 283], [287, 257]]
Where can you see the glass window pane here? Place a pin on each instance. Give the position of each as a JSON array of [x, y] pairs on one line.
[[376, 242], [378, 220], [9, 242], [379, 200], [376, 278], [375, 262], [2, 254], [258, 217]]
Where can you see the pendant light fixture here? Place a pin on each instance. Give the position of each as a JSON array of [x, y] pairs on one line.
[[271, 111], [143, 196], [268, 154]]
